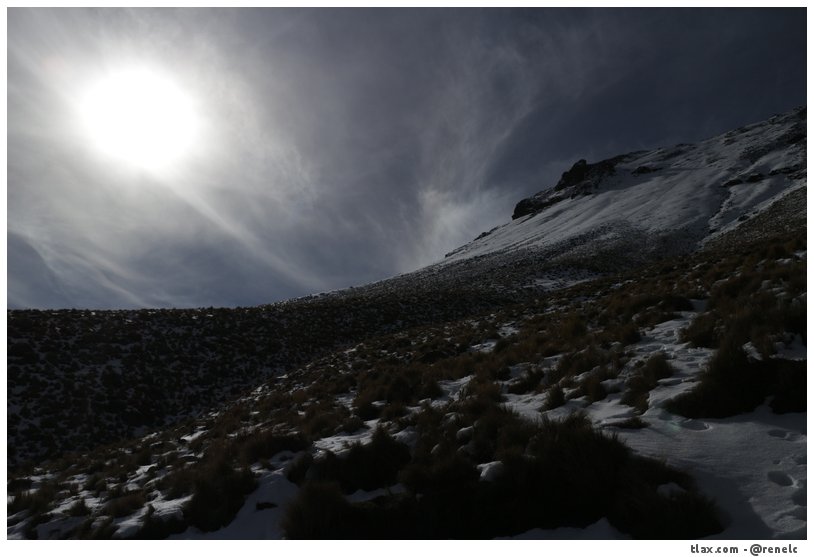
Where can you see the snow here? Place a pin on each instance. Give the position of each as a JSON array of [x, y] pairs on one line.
[[340, 443], [451, 390], [251, 523], [408, 436], [795, 350], [485, 347], [171, 509], [130, 525], [684, 198], [753, 466], [508, 329], [465, 433], [670, 489], [491, 471]]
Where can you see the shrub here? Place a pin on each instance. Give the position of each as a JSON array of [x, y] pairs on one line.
[[576, 363], [628, 334], [322, 419], [218, 492], [125, 505], [80, 508], [35, 501], [364, 467], [353, 424], [178, 483], [298, 469], [157, 528], [593, 388], [654, 316], [364, 408], [104, 531], [429, 388], [482, 389], [702, 331], [497, 431], [266, 444], [393, 410], [555, 399], [789, 387], [561, 473], [645, 379], [319, 512], [730, 385], [440, 476], [527, 383], [644, 513], [572, 329]]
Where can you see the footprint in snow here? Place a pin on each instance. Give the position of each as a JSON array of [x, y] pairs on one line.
[[780, 478], [695, 425]]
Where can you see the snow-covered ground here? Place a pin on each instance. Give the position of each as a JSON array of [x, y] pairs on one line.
[[688, 192], [752, 465]]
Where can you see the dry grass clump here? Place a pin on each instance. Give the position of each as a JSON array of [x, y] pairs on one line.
[[125, 504], [733, 384], [219, 490], [644, 379], [562, 473], [36, 501]]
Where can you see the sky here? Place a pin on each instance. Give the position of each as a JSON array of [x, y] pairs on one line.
[[326, 148]]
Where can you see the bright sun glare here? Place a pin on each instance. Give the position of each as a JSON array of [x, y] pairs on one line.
[[140, 117]]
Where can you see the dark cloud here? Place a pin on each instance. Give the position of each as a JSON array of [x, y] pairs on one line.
[[343, 145]]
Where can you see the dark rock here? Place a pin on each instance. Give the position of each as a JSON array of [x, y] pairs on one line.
[[576, 174], [581, 179], [795, 137], [752, 178], [525, 207], [786, 170], [585, 176], [488, 232], [732, 182], [644, 170]]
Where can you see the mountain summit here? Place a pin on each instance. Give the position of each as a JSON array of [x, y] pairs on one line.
[[661, 202]]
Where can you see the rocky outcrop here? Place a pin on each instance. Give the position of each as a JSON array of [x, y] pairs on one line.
[[582, 178]]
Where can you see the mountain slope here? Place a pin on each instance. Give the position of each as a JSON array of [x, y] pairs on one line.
[[539, 382], [661, 202]]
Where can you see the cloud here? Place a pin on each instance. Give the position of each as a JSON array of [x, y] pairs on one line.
[[344, 146]]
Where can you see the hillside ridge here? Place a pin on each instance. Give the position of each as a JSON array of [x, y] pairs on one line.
[[676, 196], [608, 381]]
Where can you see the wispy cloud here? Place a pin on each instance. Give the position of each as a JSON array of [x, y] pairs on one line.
[[337, 146]]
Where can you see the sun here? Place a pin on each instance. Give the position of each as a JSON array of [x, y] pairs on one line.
[[140, 117]]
